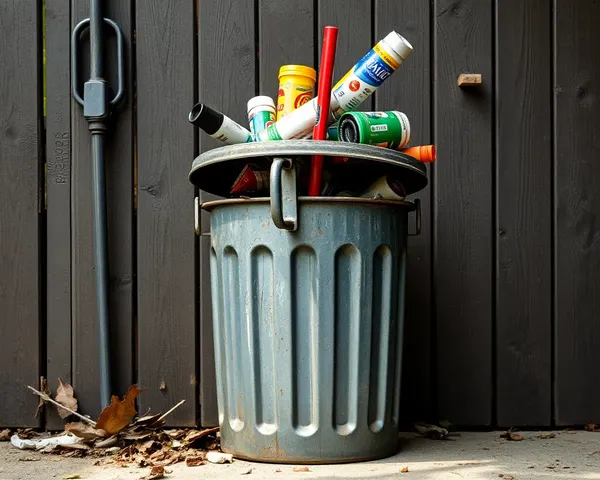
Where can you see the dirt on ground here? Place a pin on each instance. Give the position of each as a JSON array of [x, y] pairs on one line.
[[474, 455]]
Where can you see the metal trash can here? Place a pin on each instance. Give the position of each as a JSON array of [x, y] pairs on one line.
[[308, 305]]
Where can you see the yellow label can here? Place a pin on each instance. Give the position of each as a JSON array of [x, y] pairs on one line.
[[296, 87]]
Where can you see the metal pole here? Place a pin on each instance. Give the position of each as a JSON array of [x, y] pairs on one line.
[[101, 261], [96, 110]]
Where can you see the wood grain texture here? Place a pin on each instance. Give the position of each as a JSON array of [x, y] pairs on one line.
[[226, 44], [119, 192], [524, 207], [463, 222], [353, 18], [58, 199], [165, 222], [20, 202], [409, 90], [577, 204], [286, 35]]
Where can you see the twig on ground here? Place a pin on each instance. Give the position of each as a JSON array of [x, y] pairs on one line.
[[164, 415], [72, 412]]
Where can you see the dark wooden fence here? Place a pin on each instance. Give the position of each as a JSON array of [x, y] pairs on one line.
[[503, 307]]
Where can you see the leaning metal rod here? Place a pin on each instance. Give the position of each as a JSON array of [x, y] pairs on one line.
[[96, 109]]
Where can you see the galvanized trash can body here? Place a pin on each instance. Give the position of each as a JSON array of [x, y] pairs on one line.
[[308, 327]]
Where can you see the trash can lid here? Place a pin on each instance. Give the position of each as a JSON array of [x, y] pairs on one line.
[[216, 170]]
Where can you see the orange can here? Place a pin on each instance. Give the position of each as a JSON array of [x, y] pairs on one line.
[[296, 87]]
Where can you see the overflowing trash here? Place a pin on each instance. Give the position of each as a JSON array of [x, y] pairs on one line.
[[300, 114]]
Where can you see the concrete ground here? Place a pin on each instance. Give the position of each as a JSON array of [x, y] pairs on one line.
[[474, 455]]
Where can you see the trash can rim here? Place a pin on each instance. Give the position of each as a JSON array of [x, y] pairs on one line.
[[209, 206], [207, 172]]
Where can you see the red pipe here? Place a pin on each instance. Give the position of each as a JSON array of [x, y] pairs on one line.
[[330, 35]]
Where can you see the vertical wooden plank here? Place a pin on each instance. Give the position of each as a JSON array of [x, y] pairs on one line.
[[165, 223], [463, 226], [58, 199], [119, 193], [20, 203], [286, 34], [226, 44], [353, 18], [577, 203], [523, 197], [409, 90]]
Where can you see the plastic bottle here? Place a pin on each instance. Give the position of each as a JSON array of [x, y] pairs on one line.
[[218, 125], [261, 113], [353, 89], [423, 153], [296, 87]]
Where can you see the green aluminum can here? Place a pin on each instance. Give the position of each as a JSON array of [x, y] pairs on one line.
[[384, 129]]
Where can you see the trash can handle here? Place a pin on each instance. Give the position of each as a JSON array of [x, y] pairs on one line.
[[417, 211], [283, 194]]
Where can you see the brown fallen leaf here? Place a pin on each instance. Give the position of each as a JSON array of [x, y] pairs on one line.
[[195, 435], [71, 476], [545, 436], [149, 421], [195, 461], [84, 431], [27, 433], [404, 470], [5, 435], [118, 414], [156, 472], [44, 389], [592, 427], [515, 437], [147, 446], [300, 469], [64, 396]]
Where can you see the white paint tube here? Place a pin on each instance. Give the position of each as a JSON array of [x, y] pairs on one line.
[[218, 125]]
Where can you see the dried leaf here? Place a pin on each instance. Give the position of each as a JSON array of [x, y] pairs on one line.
[[506, 477], [146, 446], [592, 427], [27, 433], [219, 457], [64, 396], [195, 435], [107, 443], [84, 431], [156, 472], [431, 431], [136, 437], [118, 414], [44, 389], [515, 437], [545, 436], [195, 461], [247, 472], [5, 435], [71, 475], [404, 470], [300, 469], [149, 421], [176, 433]]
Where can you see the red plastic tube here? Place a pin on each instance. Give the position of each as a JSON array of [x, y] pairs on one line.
[[330, 35]]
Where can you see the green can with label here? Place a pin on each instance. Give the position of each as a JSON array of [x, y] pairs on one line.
[[383, 129]]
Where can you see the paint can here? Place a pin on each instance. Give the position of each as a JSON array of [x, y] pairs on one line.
[[296, 88], [383, 129], [218, 125], [387, 187], [353, 89], [261, 113]]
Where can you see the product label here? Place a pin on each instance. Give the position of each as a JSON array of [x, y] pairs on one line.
[[270, 134], [292, 95], [362, 80], [232, 132], [384, 129], [260, 120]]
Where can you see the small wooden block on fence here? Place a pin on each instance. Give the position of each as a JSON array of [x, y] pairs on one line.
[[469, 79]]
